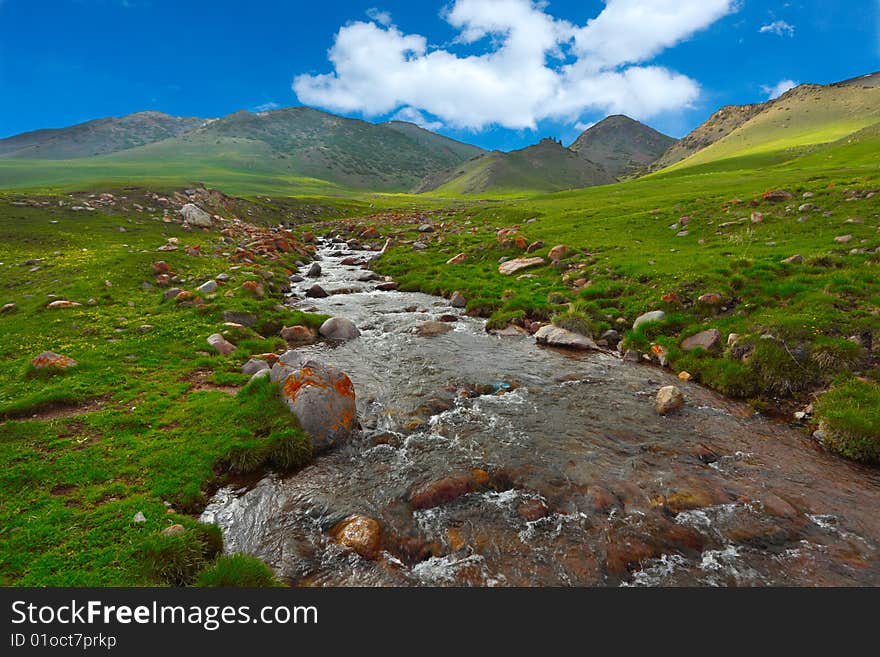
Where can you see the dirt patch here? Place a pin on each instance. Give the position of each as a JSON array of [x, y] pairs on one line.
[[55, 411], [199, 380]]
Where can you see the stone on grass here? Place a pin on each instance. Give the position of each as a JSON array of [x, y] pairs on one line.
[[245, 319], [703, 340], [518, 264], [51, 360], [208, 287], [653, 316], [253, 366], [195, 216], [221, 344], [553, 336]]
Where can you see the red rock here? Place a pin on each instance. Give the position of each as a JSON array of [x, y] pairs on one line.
[[558, 252], [161, 267], [776, 195], [298, 334], [195, 250], [254, 288], [672, 297], [532, 510], [51, 360], [361, 534], [710, 299], [520, 242], [369, 233], [443, 491]]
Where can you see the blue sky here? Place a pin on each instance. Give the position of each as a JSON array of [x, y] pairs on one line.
[[498, 73]]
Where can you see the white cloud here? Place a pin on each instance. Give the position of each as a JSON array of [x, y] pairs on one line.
[[583, 127], [266, 107], [778, 89], [379, 16], [779, 28], [412, 115], [538, 67]]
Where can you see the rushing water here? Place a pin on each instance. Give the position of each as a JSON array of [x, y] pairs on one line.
[[712, 495]]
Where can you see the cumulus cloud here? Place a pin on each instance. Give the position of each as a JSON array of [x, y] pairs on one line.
[[412, 115], [537, 66], [776, 90], [779, 28], [379, 16]]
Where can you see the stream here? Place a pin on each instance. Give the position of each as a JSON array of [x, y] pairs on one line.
[[583, 484]]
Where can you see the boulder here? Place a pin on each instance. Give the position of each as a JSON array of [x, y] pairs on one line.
[[221, 344], [316, 292], [653, 316], [314, 270], [195, 216], [558, 252], [298, 334], [321, 396], [339, 328], [458, 300], [208, 287], [51, 360], [253, 366], [443, 491], [518, 264], [245, 319], [432, 329], [611, 336], [669, 399], [390, 286], [703, 340], [361, 534], [553, 336]]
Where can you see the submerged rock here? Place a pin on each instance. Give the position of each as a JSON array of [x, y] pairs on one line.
[[431, 329], [361, 534]]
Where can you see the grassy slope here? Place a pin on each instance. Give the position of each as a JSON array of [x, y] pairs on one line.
[[147, 420], [804, 117]]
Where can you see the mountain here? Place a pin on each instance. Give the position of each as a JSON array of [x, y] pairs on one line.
[[297, 143], [768, 133], [545, 167], [717, 126], [621, 145], [98, 137]]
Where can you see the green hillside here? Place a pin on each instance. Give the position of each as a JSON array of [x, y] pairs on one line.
[[804, 117], [544, 167], [97, 137], [621, 145]]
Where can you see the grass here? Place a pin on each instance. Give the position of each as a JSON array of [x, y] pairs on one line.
[[147, 421], [850, 416]]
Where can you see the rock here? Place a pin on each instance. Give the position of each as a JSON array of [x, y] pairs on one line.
[[195, 216], [532, 510], [361, 534], [369, 233], [8, 308], [245, 319], [455, 260], [339, 328], [173, 530], [208, 287], [458, 300], [757, 217], [808, 195], [368, 277], [298, 334], [703, 340], [653, 316], [161, 267], [316, 292], [710, 299], [139, 517], [253, 366], [807, 207], [443, 491], [517, 264], [220, 343], [63, 303], [431, 329], [534, 246], [558, 252], [171, 293], [732, 338], [426, 228], [390, 286], [553, 336], [321, 396], [254, 288], [684, 376], [794, 260], [841, 239], [314, 270], [145, 328], [611, 336], [51, 360], [682, 233], [632, 356], [669, 399], [776, 195]]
